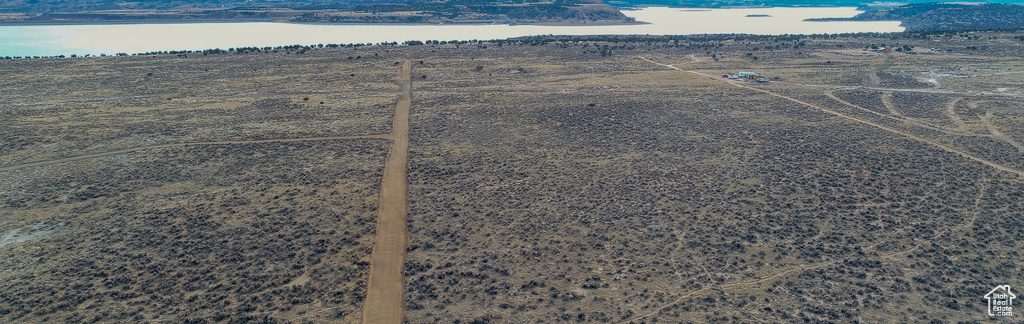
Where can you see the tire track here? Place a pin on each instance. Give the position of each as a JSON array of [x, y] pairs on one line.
[[951, 112], [987, 119], [900, 118], [386, 289], [887, 100], [864, 121]]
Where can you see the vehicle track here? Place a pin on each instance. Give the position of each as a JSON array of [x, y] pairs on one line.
[[987, 119], [385, 291], [158, 146], [863, 121], [887, 100], [899, 118], [951, 112]]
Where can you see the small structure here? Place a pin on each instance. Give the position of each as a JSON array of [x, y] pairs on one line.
[[749, 75], [655, 228], [762, 80]]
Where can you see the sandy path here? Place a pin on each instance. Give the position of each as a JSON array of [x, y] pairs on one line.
[[157, 146], [951, 112], [831, 94], [889, 104], [385, 293], [987, 118], [899, 118]]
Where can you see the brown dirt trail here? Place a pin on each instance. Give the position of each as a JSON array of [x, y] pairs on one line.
[[951, 113], [384, 296], [987, 119]]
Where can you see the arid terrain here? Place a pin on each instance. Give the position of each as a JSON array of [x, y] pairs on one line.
[[192, 189], [578, 179]]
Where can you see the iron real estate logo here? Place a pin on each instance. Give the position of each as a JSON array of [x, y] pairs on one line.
[[1000, 301]]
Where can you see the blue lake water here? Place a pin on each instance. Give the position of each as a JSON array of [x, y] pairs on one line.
[[49, 40]]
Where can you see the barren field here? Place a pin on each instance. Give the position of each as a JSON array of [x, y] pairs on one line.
[[247, 194], [181, 234], [549, 180], [63, 108], [577, 188]]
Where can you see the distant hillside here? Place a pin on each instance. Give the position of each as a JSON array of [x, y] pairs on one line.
[[328, 11], [949, 16], [43, 6]]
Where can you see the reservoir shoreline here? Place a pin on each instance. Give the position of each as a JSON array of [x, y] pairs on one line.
[[111, 38]]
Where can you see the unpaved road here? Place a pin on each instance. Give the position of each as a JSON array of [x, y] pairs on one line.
[[951, 112], [889, 104], [987, 118], [157, 146], [385, 293], [900, 118]]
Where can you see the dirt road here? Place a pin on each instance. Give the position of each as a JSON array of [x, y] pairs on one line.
[[951, 113], [900, 118], [890, 105], [157, 146], [385, 294], [987, 119]]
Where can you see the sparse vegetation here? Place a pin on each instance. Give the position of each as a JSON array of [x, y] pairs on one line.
[[574, 181]]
